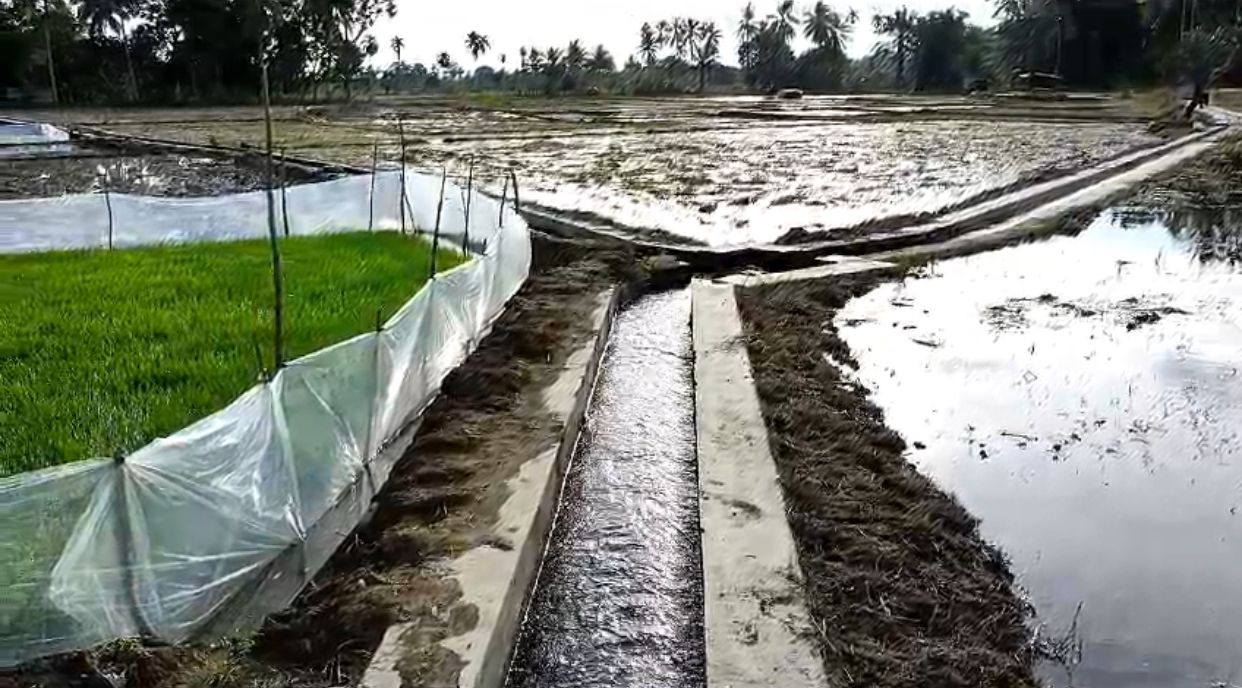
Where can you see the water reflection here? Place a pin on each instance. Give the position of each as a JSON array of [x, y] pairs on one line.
[[1213, 233], [1082, 397]]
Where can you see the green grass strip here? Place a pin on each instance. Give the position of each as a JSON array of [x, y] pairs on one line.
[[102, 352]]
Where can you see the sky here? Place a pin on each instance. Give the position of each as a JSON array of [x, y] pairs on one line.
[[430, 27]]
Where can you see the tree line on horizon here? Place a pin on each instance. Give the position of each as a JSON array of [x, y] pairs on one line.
[[96, 51]]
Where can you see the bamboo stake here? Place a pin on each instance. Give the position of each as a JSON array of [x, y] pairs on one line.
[[371, 199], [278, 334], [108, 202], [401, 137], [284, 198], [435, 238], [517, 201], [504, 196], [465, 243]]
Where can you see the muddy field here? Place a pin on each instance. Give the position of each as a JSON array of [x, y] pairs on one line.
[[89, 168], [716, 170]]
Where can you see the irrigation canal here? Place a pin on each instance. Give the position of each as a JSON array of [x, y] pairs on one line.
[[619, 600]]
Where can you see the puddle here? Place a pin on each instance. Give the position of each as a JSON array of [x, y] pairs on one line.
[[619, 599], [1082, 397]]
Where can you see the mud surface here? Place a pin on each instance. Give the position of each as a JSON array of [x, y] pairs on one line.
[[902, 587], [1081, 396], [755, 184], [717, 170], [619, 600], [150, 175], [442, 499]]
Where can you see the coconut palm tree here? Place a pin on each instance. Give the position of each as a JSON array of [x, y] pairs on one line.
[[826, 28], [575, 56], [648, 44], [786, 20], [706, 50], [899, 26], [664, 33], [445, 62], [110, 15], [477, 44], [601, 61], [398, 44], [747, 32]]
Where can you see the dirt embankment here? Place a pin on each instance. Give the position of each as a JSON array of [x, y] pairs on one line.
[[903, 589], [441, 500], [1214, 178]]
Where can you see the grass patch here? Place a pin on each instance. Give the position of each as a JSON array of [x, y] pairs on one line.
[[103, 352]]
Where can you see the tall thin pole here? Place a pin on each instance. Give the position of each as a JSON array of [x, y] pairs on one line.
[[108, 204], [465, 243], [504, 196], [401, 137], [284, 196], [371, 198], [517, 200], [47, 44], [435, 238], [278, 286]]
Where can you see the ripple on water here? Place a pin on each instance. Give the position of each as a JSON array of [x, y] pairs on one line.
[[619, 598]]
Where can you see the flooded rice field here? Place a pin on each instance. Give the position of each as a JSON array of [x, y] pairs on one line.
[[618, 601], [1082, 397], [756, 183], [722, 171]]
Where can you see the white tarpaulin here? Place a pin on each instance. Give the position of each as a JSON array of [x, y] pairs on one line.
[[18, 133], [209, 529]]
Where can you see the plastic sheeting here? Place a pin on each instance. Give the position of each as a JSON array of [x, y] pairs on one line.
[[14, 133], [208, 530]]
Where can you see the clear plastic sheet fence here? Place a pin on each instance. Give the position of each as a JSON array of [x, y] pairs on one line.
[[208, 530], [18, 133]]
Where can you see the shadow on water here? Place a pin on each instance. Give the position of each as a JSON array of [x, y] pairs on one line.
[[1082, 396], [619, 598]]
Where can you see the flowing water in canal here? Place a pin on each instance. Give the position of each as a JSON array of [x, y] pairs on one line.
[[619, 601], [1082, 396]]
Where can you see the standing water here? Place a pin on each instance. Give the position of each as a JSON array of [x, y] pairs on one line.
[[1082, 397], [619, 601]]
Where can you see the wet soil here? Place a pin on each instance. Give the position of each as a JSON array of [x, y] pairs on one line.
[[441, 500], [137, 172], [1214, 178], [716, 170], [902, 587]]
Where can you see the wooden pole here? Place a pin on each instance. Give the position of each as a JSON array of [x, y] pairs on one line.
[[47, 45], [278, 334], [401, 138], [125, 551], [504, 196], [517, 200], [108, 203], [435, 238], [371, 199], [465, 242], [284, 197]]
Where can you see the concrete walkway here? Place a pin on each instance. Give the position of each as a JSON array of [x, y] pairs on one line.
[[754, 615]]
